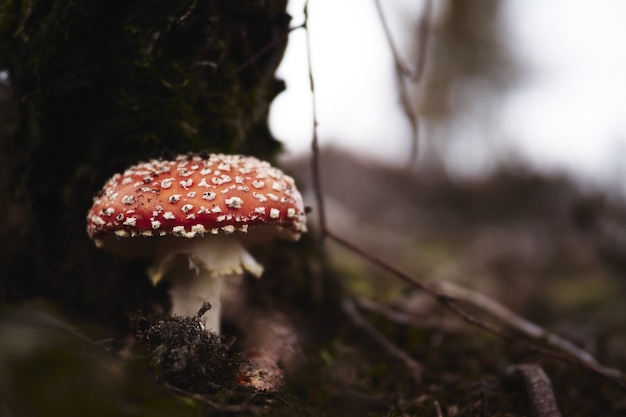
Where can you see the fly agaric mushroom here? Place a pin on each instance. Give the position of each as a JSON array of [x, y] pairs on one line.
[[207, 209]]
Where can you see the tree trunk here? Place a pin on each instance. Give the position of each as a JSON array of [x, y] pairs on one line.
[[94, 86]]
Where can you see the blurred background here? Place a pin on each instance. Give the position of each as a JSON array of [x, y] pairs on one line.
[[517, 190], [535, 82]]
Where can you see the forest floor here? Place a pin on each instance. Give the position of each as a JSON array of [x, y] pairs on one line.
[[549, 250], [541, 246]]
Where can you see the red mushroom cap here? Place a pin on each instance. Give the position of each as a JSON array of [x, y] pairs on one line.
[[192, 196]]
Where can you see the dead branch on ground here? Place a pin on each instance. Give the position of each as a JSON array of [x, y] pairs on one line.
[[538, 388]]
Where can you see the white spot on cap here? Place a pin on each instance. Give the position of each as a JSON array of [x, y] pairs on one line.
[[186, 183], [203, 183], [198, 228], [187, 208], [191, 194], [98, 220], [277, 186], [274, 213], [272, 197], [216, 181], [131, 221], [208, 195], [274, 173], [146, 233], [121, 233], [221, 218], [168, 215], [128, 200], [291, 212], [216, 209], [127, 180], [260, 197], [239, 179], [223, 167], [178, 230], [234, 202], [205, 171], [260, 210], [229, 229], [167, 183], [156, 224], [258, 184], [174, 198], [108, 211]]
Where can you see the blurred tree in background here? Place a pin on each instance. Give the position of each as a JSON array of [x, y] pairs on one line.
[[469, 67]]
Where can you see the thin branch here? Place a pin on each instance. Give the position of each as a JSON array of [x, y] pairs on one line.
[[349, 307], [404, 318], [451, 303], [524, 326], [315, 147], [438, 408], [264, 50], [406, 75], [423, 37]]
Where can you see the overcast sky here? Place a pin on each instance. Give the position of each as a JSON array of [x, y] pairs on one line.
[[569, 114]]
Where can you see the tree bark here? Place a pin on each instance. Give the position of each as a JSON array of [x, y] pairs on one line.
[[94, 86]]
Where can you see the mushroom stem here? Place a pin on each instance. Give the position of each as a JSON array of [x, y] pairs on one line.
[[199, 274], [191, 289]]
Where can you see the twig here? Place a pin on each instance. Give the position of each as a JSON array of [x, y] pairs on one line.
[[423, 35], [438, 408], [404, 318], [538, 387], [351, 310], [406, 75], [265, 49], [522, 325], [315, 147], [450, 303]]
